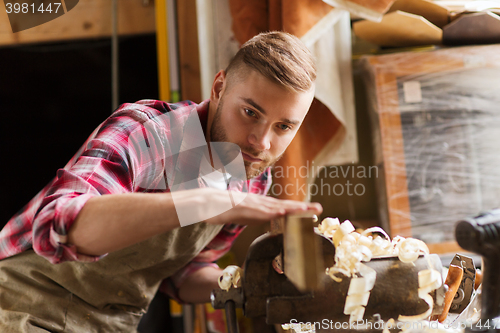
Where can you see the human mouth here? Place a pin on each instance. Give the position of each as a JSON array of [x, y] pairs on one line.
[[250, 158]]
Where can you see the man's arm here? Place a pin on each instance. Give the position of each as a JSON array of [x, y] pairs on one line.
[[197, 287], [109, 223]]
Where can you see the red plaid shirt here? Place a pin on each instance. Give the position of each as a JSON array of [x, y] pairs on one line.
[[106, 164]]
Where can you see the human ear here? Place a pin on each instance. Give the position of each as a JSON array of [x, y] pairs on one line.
[[218, 86]]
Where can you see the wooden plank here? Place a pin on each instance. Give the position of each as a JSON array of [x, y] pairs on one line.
[[399, 29], [436, 14], [393, 152], [88, 19], [278, 225], [302, 253], [449, 59], [189, 61]]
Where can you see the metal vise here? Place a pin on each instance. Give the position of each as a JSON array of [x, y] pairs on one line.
[[267, 293]]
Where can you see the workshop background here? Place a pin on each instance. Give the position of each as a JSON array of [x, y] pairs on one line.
[[404, 121]]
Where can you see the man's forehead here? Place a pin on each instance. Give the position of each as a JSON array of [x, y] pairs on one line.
[[242, 74]]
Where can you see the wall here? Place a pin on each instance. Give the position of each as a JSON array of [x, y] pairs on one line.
[[51, 98]]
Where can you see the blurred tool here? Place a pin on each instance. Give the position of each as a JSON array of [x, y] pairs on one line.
[[482, 235]]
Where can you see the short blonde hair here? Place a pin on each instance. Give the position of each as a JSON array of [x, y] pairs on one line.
[[278, 56]]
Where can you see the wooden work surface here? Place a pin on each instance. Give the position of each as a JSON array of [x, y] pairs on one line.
[[88, 19], [385, 72]]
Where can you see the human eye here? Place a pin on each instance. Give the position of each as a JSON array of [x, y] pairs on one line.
[[250, 113], [284, 127]]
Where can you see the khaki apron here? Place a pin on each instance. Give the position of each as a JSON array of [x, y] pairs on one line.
[[110, 295]]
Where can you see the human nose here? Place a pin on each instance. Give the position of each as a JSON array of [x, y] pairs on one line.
[[261, 140]]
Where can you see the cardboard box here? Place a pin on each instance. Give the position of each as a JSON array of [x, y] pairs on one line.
[[436, 125]]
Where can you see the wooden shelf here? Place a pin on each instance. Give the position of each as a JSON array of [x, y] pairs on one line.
[[88, 19]]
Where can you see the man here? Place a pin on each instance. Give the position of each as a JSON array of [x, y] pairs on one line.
[[126, 216]]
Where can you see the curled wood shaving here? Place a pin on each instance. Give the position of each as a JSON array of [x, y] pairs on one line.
[[328, 226], [409, 249], [359, 293], [231, 277], [428, 280]]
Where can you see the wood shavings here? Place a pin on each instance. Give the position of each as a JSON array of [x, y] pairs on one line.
[[376, 229], [357, 314], [343, 230], [428, 280], [328, 226], [380, 246], [359, 293], [353, 248], [409, 249], [299, 327], [231, 277], [390, 323]]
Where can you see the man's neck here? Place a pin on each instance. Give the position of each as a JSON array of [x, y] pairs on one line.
[[214, 159]]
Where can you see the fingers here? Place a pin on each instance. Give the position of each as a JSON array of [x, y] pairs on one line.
[[242, 208], [316, 207], [267, 213], [267, 208], [255, 209], [292, 206]]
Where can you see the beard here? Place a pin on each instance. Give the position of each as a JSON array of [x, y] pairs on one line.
[[252, 169]]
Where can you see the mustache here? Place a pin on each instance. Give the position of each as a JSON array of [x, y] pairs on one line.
[[255, 153]]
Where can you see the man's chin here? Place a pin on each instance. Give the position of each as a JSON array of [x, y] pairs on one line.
[[253, 171]]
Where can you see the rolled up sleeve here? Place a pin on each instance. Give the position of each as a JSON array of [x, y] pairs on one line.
[[62, 204], [50, 228], [109, 164]]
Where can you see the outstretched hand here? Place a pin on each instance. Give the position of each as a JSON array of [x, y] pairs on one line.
[[250, 209]]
